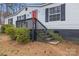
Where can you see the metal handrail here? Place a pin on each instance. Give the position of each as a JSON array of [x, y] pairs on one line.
[[42, 25]]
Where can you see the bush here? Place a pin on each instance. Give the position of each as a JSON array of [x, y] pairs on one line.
[[22, 35], [8, 29], [3, 27], [11, 32], [56, 36]]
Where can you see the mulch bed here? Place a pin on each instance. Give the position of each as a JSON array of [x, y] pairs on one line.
[[12, 48]]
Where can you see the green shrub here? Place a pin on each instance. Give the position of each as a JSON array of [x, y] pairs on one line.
[[56, 36], [22, 35], [3, 27], [11, 32]]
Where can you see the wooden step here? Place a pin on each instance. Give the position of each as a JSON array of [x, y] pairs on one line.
[[54, 42]]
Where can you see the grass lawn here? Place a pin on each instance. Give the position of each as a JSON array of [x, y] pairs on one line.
[[12, 48]]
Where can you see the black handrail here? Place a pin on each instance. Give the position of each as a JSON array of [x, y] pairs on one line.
[[46, 30], [36, 20], [42, 25]]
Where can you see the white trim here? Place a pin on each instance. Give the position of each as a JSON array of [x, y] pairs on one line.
[[54, 13]]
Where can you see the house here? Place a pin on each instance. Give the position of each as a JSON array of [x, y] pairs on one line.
[[61, 17]]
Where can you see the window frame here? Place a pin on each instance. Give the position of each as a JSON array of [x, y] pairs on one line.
[[18, 18], [10, 21], [56, 13], [22, 17]]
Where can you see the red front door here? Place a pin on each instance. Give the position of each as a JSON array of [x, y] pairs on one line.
[[34, 15]]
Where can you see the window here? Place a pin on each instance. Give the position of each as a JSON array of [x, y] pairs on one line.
[[51, 11], [10, 21], [18, 17], [51, 17], [55, 13], [58, 9], [55, 10], [55, 17], [23, 17], [58, 16], [22, 24], [17, 24]]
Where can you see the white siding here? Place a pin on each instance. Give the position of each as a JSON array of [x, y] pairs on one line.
[[28, 15], [50, 24], [14, 20], [71, 21], [72, 16]]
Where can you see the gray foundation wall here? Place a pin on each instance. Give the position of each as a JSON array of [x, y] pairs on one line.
[[68, 34]]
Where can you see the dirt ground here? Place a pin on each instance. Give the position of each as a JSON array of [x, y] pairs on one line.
[[12, 48]]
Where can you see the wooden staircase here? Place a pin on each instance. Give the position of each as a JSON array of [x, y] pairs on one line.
[[43, 34]]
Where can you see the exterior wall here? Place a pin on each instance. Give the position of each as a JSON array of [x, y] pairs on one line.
[[28, 15], [69, 34], [50, 24], [72, 16], [14, 20], [30, 24], [68, 29], [71, 21], [39, 26]]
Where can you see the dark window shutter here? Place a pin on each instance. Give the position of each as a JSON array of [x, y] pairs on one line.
[[24, 16], [26, 9], [46, 15], [17, 17], [63, 12]]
